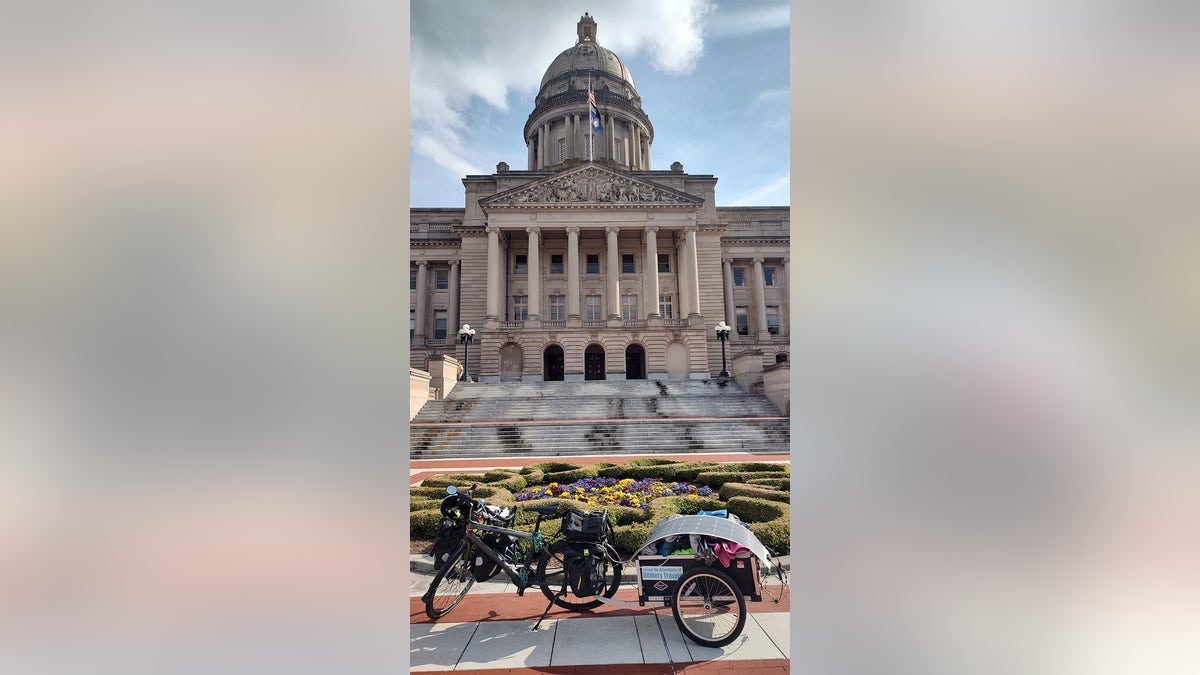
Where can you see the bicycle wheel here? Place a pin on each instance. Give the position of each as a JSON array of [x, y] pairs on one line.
[[552, 580], [709, 607], [450, 585]]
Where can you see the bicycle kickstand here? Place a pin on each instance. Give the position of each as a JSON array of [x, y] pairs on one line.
[[562, 591]]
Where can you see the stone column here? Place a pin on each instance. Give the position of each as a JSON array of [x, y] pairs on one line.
[[535, 273], [614, 272], [422, 300], [730, 312], [573, 272], [681, 277], [531, 164], [452, 313], [784, 311], [572, 126], [635, 142], [651, 272], [760, 302], [693, 281], [494, 273]]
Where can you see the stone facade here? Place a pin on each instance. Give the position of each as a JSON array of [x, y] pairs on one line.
[[577, 269]]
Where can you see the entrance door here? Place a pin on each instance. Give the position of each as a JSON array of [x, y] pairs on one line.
[[552, 362], [593, 363], [635, 362]]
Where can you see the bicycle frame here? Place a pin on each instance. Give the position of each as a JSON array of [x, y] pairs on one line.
[[513, 573]]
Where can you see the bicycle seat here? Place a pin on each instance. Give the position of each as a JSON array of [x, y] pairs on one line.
[[548, 510]]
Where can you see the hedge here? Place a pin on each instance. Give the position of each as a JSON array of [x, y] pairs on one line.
[[755, 510], [756, 467], [424, 524], [423, 503], [775, 535], [674, 471], [550, 467], [715, 479], [461, 480], [734, 489], [571, 475], [784, 484]]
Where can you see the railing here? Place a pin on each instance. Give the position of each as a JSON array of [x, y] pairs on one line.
[[675, 323], [512, 324], [554, 324], [595, 324], [634, 323]]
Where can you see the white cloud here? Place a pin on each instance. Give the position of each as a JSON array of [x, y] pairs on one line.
[[468, 52], [755, 197], [741, 21], [773, 96]]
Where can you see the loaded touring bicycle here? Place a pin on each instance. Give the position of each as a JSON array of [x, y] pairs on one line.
[[706, 586]]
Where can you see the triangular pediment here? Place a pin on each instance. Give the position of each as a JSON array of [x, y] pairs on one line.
[[591, 185]]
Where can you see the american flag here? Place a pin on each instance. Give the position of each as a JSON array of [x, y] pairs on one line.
[[591, 96]]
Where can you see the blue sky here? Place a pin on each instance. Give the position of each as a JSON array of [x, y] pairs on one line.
[[713, 78]]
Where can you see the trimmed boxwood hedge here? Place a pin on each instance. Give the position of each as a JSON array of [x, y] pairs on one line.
[[756, 492], [784, 484], [734, 489], [755, 510], [715, 479], [775, 535]]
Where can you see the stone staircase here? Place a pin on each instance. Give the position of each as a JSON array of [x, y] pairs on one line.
[[598, 417]]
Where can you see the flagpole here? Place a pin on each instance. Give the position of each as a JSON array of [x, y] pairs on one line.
[[591, 140]]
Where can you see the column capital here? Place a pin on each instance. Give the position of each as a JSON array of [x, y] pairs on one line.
[[572, 229], [422, 263], [690, 229], [455, 262], [533, 229], [758, 261], [612, 229], [727, 261], [786, 260], [492, 228], [651, 229]]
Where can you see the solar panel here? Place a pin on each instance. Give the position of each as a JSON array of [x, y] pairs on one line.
[[709, 526]]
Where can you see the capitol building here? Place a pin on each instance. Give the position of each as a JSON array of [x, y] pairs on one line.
[[592, 264]]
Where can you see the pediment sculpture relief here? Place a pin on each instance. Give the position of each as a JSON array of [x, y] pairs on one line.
[[591, 186]]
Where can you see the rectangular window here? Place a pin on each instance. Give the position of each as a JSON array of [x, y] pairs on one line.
[[768, 276], [739, 276], [592, 302], [629, 307], [556, 264], [773, 320], [441, 279], [587, 145], [617, 151], [562, 150], [742, 319], [664, 262], [593, 263], [627, 263], [520, 264], [439, 325], [557, 307], [412, 323], [664, 306], [520, 307], [412, 281]]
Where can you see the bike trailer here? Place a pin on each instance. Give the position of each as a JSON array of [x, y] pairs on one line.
[[657, 574]]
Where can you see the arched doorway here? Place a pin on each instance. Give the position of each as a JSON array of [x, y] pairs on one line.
[[677, 361], [593, 362], [552, 364], [635, 362], [512, 362]]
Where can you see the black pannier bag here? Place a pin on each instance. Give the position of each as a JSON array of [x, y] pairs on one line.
[[450, 533], [483, 567], [584, 566], [580, 526]]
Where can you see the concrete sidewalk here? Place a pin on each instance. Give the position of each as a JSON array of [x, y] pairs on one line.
[[478, 636]]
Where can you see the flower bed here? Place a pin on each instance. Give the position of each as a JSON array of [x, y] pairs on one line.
[[614, 492]]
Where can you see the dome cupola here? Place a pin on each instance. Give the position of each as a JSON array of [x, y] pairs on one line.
[[557, 132]]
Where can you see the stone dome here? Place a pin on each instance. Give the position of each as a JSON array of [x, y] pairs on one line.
[[587, 58], [558, 134]]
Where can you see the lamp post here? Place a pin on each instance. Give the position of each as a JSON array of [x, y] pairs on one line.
[[465, 335], [723, 335]]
